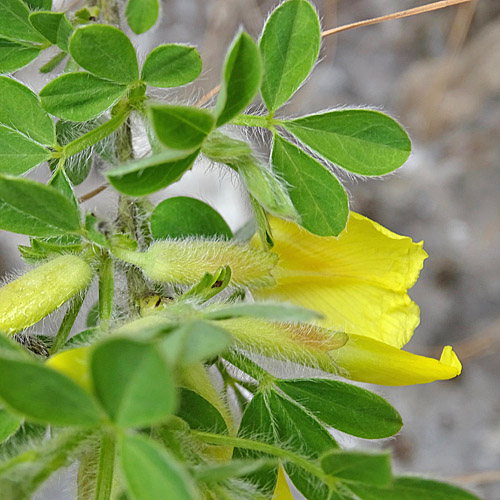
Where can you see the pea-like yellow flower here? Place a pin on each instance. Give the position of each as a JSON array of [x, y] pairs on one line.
[[360, 282]]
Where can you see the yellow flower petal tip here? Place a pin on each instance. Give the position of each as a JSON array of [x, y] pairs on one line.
[[282, 490], [74, 363], [368, 360], [449, 358]]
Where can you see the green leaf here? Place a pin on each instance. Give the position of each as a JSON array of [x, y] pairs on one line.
[[9, 424], [181, 217], [317, 195], [14, 56], [283, 423], [106, 52], [44, 395], [39, 4], [54, 26], [241, 78], [303, 434], [181, 127], [263, 184], [367, 468], [151, 174], [61, 182], [195, 341], [29, 207], [15, 24], [363, 141], [133, 382], [79, 96], [19, 154], [345, 407], [22, 112], [33, 456], [273, 312], [209, 286], [171, 65], [258, 421], [199, 413], [223, 149], [142, 14], [94, 231], [218, 472], [289, 47], [412, 488], [151, 472]]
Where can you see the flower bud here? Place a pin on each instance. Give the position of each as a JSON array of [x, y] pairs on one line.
[[186, 261], [28, 299], [300, 343]]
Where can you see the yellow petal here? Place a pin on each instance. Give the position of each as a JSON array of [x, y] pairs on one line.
[[282, 491], [359, 281], [74, 363], [368, 360]]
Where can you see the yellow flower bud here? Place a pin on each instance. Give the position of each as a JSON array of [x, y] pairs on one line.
[[300, 343], [186, 261], [28, 299]]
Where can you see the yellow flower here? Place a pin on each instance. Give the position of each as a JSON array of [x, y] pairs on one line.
[[359, 281], [74, 363]]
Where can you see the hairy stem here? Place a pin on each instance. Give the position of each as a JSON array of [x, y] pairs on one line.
[[67, 322], [106, 468], [95, 135], [106, 289], [249, 444]]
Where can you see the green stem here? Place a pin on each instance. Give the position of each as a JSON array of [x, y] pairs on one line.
[[106, 289], [247, 366], [105, 469], [249, 444], [95, 135], [128, 256], [53, 63], [254, 121], [67, 322]]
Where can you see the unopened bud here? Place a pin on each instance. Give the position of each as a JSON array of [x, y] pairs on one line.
[[186, 261], [301, 343], [28, 299]]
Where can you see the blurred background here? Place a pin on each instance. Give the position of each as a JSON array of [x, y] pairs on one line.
[[438, 74]]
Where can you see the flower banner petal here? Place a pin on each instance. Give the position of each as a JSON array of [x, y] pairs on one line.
[[367, 360], [359, 281]]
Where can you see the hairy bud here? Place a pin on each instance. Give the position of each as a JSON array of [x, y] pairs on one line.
[[186, 261], [28, 299]]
